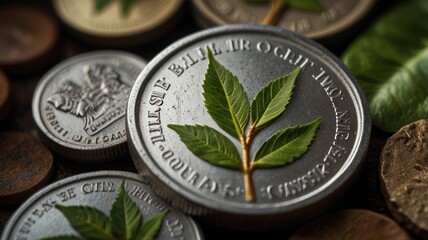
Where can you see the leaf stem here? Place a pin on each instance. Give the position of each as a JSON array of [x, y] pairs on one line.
[[274, 12], [247, 170]]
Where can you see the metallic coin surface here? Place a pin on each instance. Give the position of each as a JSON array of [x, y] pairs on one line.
[[404, 176], [27, 37], [351, 224], [25, 166], [38, 218], [170, 91], [5, 96], [337, 16], [110, 26], [80, 105]]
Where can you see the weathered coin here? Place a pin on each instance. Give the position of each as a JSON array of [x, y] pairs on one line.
[[404, 176], [27, 39], [170, 92], [111, 26], [351, 224], [338, 15], [80, 105], [97, 194], [25, 166], [5, 96]]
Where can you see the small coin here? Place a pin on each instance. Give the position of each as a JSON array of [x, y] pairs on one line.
[[351, 224], [337, 16], [110, 26], [27, 38], [5, 96], [170, 92], [80, 105], [25, 166], [404, 176], [39, 217]]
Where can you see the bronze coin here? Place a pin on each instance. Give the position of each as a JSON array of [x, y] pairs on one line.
[[404, 176], [351, 224], [25, 166], [4, 96], [337, 16], [27, 37]]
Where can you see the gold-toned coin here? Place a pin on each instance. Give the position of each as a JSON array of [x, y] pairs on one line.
[[112, 26], [337, 16]]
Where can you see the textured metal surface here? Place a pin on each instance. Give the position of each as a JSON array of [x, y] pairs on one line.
[[338, 16], [79, 105], [285, 195], [37, 217]]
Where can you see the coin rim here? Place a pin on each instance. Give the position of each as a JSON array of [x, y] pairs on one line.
[[140, 154], [68, 149], [75, 179]]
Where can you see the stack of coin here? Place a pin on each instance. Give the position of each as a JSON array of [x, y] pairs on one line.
[[5, 96], [145, 21]]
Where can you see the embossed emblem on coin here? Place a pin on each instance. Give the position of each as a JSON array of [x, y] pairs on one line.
[[262, 126], [99, 205], [80, 105], [404, 176]]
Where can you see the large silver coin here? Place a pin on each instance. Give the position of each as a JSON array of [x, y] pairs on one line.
[[79, 106], [170, 91], [39, 217]]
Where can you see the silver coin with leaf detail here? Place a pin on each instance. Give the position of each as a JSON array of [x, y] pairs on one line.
[[99, 205], [248, 126]]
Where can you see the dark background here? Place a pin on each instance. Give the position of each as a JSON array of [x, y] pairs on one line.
[[365, 194]]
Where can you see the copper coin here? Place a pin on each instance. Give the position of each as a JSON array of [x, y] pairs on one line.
[[4, 96], [27, 37], [338, 15], [110, 26], [351, 224], [25, 166], [404, 176]]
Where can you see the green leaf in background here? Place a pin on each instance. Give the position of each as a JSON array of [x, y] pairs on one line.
[[125, 215], [390, 61], [101, 4], [150, 229], [89, 222], [62, 237], [286, 145], [225, 99], [126, 5], [258, 1], [209, 145], [272, 99], [306, 5]]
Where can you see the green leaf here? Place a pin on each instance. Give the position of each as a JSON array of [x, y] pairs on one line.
[[125, 215], [286, 145], [306, 5], [150, 229], [225, 98], [126, 5], [62, 237], [101, 4], [209, 145], [257, 1], [90, 222], [390, 61], [272, 99]]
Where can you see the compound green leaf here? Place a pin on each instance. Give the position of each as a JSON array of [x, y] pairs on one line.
[[272, 99], [101, 4], [286, 145], [150, 229], [125, 215], [209, 145], [390, 61], [89, 222], [225, 99], [62, 237]]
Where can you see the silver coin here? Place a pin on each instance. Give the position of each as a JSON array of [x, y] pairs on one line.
[[169, 91], [39, 218], [80, 105]]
